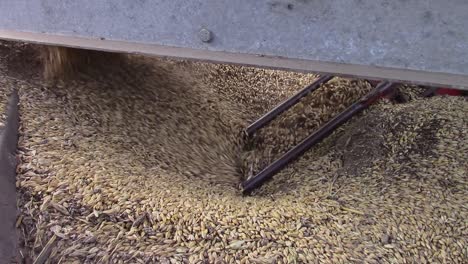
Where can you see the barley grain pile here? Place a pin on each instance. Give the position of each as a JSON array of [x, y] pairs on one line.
[[140, 163], [4, 83], [18, 67]]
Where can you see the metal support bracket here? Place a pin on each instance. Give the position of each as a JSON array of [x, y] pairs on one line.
[[267, 173]]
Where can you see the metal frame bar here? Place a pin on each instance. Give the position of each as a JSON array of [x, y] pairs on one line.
[[382, 89], [288, 103]]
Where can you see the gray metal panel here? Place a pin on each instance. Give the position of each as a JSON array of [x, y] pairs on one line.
[[8, 211], [421, 35]]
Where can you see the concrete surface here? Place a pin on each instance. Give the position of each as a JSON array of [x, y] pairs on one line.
[[422, 36], [8, 210]]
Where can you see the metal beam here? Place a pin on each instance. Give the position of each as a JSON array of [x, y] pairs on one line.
[[423, 41]]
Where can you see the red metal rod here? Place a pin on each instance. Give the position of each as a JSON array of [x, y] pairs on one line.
[[256, 181], [268, 117]]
